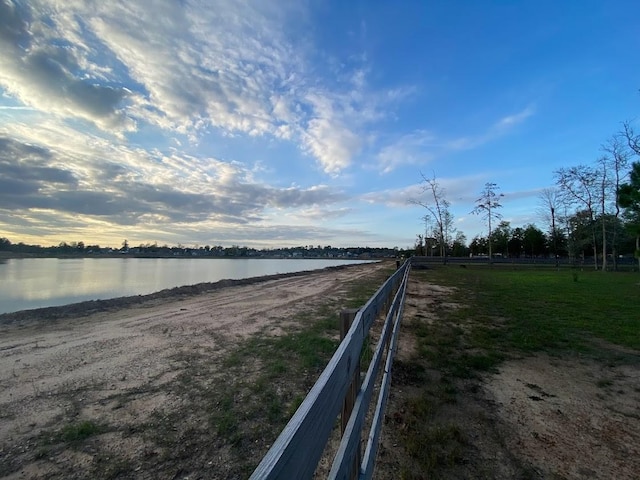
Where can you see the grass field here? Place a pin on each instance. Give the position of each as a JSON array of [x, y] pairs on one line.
[[491, 315], [546, 309]]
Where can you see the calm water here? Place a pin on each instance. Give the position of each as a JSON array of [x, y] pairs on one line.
[[46, 282]]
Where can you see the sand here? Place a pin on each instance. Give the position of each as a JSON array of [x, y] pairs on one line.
[[110, 361]]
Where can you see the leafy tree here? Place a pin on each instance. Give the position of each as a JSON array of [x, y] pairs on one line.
[[419, 246], [579, 187], [581, 239], [500, 238], [5, 243], [478, 246], [534, 240], [487, 205], [515, 245], [629, 198], [557, 243], [459, 247]]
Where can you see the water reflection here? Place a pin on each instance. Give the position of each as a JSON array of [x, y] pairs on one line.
[[40, 282]]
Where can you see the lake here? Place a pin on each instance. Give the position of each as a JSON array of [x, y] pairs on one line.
[[28, 283]]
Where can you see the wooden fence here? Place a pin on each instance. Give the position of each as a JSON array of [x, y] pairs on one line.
[[296, 452]]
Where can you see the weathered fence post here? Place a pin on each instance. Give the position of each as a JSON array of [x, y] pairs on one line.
[[346, 319]]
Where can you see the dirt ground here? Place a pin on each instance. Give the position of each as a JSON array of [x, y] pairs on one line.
[[565, 417], [538, 417]]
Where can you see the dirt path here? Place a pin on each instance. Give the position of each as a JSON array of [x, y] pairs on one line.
[[116, 368]]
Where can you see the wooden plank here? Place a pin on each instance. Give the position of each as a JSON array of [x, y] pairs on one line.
[[373, 307], [351, 438], [296, 452], [368, 461], [346, 319]]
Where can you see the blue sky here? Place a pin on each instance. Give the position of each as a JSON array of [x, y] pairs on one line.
[[289, 123]]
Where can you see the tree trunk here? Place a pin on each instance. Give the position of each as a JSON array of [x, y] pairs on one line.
[[604, 245], [489, 237], [593, 239], [638, 249]]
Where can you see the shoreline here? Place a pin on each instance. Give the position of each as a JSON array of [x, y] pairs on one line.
[[140, 387], [89, 307], [7, 255]]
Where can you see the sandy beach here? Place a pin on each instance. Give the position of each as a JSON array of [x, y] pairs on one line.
[[114, 362]]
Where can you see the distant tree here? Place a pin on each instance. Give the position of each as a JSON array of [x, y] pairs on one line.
[[5, 243], [618, 155], [459, 247], [437, 207], [550, 202], [534, 240], [579, 187], [632, 139], [629, 198], [487, 205], [478, 246], [603, 187], [500, 238], [515, 245], [125, 246], [580, 238], [419, 246]]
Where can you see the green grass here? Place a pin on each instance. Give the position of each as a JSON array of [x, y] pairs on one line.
[[544, 309], [78, 432], [282, 368], [501, 313]]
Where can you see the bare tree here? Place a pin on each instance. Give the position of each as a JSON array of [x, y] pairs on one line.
[[578, 185], [630, 136], [603, 186], [437, 207], [617, 160], [486, 205], [549, 204]]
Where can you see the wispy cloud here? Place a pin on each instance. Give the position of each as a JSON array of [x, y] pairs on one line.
[[415, 148], [423, 146], [458, 191], [498, 129]]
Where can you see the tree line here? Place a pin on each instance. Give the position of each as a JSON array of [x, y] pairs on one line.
[[591, 213], [79, 249]]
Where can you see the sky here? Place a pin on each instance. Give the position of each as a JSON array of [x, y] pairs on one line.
[[298, 122]]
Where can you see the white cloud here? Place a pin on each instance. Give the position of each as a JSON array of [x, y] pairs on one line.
[[512, 120], [62, 170], [183, 67], [332, 143], [48, 73]]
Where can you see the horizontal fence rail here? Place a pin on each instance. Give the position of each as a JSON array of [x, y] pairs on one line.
[[296, 452]]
